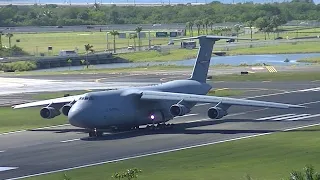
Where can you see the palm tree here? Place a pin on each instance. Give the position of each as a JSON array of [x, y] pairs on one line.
[[133, 36], [188, 27], [191, 27], [206, 22], [198, 24], [114, 34], [211, 25], [9, 36], [88, 48], [237, 29], [1, 33], [250, 24], [308, 174], [138, 30]]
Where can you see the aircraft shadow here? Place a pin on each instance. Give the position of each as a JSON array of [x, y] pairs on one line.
[[181, 128]]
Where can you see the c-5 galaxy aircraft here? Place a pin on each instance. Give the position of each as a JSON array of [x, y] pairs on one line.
[[151, 105]]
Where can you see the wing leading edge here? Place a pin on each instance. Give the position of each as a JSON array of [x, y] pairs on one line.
[[155, 95], [62, 100]]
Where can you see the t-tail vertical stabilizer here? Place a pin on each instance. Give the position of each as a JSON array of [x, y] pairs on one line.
[[201, 67]]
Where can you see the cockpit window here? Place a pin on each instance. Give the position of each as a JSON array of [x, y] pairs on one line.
[[86, 98]]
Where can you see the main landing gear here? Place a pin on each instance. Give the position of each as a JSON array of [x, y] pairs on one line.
[[159, 126], [95, 133]]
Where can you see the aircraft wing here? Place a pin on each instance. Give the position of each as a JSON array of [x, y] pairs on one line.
[[62, 100], [155, 95]]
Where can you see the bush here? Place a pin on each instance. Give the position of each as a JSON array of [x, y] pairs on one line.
[[18, 66], [13, 51]]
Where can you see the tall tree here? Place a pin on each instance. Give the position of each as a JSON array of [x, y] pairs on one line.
[[250, 25], [188, 27], [134, 36], [138, 30], [206, 22], [9, 36], [198, 24], [114, 33], [262, 24], [211, 23], [191, 27], [1, 33], [88, 48], [237, 29]]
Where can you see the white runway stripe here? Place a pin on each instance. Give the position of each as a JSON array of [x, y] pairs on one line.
[[7, 168], [270, 117], [70, 140], [311, 89], [288, 117], [305, 117], [186, 115]]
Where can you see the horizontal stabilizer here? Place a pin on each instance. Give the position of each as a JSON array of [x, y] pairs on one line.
[[215, 38]]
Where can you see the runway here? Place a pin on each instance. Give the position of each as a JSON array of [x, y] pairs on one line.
[[52, 149]]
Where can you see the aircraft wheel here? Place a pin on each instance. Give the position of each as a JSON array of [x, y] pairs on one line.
[[91, 134], [99, 134]]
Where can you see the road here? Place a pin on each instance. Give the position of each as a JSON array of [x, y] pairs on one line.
[[50, 149]]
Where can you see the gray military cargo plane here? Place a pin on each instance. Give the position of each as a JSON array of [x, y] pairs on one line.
[[151, 105]]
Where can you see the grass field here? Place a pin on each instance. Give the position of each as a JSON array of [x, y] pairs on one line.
[[36, 43], [310, 60], [181, 54], [279, 76], [111, 70], [301, 47], [18, 119], [270, 157], [152, 56]]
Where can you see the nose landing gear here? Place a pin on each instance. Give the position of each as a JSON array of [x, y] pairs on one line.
[[95, 133]]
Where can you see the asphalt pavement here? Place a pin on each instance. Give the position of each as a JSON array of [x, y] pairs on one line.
[[50, 149]]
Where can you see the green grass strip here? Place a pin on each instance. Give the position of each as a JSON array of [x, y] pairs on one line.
[[268, 157]]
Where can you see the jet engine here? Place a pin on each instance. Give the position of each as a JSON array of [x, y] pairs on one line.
[[179, 110], [65, 109], [216, 113], [49, 112]]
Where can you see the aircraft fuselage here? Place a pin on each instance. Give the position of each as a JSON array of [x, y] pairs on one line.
[[122, 107]]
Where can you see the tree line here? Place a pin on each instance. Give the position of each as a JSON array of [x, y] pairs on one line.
[[216, 12]]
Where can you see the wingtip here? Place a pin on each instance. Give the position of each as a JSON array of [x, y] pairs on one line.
[[297, 106]]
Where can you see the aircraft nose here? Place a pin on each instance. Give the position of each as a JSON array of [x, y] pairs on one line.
[[78, 117]]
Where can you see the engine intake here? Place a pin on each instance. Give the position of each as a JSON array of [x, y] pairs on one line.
[[179, 110], [49, 112], [216, 113], [65, 109]]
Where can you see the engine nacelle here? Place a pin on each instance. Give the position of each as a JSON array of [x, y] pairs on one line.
[[65, 109], [216, 113], [179, 110], [49, 112]]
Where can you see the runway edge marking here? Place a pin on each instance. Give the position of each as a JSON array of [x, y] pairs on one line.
[[162, 152], [46, 127]]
